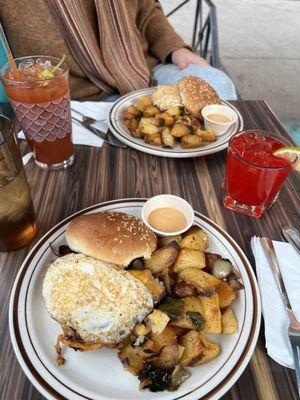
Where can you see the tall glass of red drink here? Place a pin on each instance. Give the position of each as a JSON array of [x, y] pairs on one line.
[[40, 96], [254, 175]]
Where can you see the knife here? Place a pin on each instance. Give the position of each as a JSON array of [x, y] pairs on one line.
[[292, 235], [294, 327]]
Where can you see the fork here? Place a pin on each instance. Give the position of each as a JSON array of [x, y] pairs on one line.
[[294, 327]]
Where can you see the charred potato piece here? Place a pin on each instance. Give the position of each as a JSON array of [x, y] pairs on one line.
[[180, 130], [210, 258], [205, 283], [175, 112], [211, 313], [167, 138], [193, 348], [162, 258], [169, 357], [154, 140], [229, 322], [147, 126], [141, 330], [166, 337], [132, 124], [164, 240], [195, 238], [150, 111], [164, 119], [155, 287], [136, 133], [233, 281], [195, 124], [134, 358], [226, 294], [189, 259], [183, 322], [181, 289], [127, 116], [211, 351], [190, 141], [143, 102], [191, 305]]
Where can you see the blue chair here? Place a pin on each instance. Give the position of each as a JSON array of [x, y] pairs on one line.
[[3, 58]]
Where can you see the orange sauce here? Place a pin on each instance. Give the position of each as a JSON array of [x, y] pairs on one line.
[[218, 118], [167, 219]]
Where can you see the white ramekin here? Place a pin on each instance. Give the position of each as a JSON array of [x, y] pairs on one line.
[[219, 128], [168, 200]]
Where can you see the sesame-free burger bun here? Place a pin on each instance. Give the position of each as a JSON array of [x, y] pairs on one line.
[[111, 236], [196, 94]]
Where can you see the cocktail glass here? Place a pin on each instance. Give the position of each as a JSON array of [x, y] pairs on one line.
[[40, 97], [254, 176]]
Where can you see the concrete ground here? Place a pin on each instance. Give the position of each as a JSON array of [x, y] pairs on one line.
[[259, 43]]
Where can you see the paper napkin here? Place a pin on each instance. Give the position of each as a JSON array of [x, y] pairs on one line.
[[274, 312]]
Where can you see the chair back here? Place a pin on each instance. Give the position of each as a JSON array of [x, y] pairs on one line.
[[3, 59]]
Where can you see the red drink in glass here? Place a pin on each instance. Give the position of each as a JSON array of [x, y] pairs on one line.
[[254, 175], [40, 97]]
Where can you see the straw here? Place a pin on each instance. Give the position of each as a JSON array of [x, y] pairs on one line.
[[8, 53]]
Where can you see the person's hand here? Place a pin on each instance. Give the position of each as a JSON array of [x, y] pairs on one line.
[[184, 57]]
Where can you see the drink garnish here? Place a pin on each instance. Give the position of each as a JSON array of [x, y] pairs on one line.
[[290, 153], [48, 73]]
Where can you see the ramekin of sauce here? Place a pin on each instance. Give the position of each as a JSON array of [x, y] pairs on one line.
[[167, 215], [219, 118]]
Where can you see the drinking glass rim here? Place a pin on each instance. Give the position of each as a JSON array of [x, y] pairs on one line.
[[270, 134], [63, 67], [11, 129]]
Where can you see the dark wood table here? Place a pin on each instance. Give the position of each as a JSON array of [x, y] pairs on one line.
[[105, 174]]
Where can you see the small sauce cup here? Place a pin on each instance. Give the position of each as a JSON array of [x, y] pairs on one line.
[[168, 201], [219, 128]]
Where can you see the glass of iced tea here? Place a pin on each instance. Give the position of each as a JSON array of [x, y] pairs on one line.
[[254, 175], [17, 219], [39, 93]]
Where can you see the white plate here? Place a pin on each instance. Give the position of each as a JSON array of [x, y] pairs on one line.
[[117, 127], [98, 374]]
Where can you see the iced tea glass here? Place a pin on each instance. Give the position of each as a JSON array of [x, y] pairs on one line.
[[40, 97], [17, 219], [254, 176]]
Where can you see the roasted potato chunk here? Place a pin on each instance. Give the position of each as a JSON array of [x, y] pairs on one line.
[[193, 348], [134, 358], [211, 313], [136, 134], [190, 141], [155, 287], [205, 283], [189, 259], [167, 138], [164, 119], [195, 238], [154, 140], [166, 337], [157, 321], [226, 294], [192, 303], [141, 330], [134, 111], [150, 111], [211, 351], [180, 130], [143, 102], [208, 136], [162, 258], [168, 357], [210, 258], [229, 322], [181, 289], [175, 112], [147, 126]]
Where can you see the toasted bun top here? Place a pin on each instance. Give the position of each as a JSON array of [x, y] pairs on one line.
[[111, 236], [166, 96], [101, 302], [196, 94]]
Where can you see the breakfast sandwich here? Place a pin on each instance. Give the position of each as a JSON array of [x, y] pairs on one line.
[[166, 96]]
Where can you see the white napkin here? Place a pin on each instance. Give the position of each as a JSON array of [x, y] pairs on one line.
[[99, 111], [275, 316]]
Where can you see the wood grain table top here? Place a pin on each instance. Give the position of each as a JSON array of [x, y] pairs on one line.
[[105, 174]]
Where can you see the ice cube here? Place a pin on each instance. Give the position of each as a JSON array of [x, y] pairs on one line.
[[43, 63], [26, 65]]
